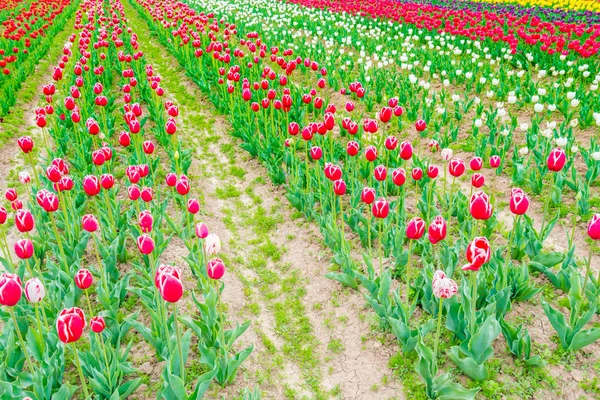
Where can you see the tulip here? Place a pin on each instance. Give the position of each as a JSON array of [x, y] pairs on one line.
[[432, 171], [371, 153], [380, 173], [91, 185], [215, 269], [147, 194], [380, 208], [367, 195], [480, 206], [201, 230], [556, 160], [145, 221], [24, 249], [476, 163], [316, 153], [406, 150], [24, 177], [182, 186], [24, 221], [477, 180], [443, 288], [420, 125], [3, 215], [34, 290], [495, 161], [478, 253], [519, 202], [212, 244], [339, 187], [456, 167], [417, 174], [434, 146], [399, 176], [10, 289], [437, 230], [171, 179], [352, 148], [97, 324], [193, 206], [83, 279], [70, 324], [25, 143], [415, 228], [145, 244], [169, 283], [10, 194]]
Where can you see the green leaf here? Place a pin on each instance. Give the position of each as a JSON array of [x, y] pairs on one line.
[[583, 338], [549, 259]]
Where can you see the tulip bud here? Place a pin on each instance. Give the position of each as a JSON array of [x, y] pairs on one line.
[[10, 289], [25, 143], [477, 180], [3, 215], [70, 324], [83, 279], [212, 244], [556, 160], [480, 206], [24, 221], [432, 171], [593, 227], [97, 324], [24, 249], [415, 228], [10, 194], [34, 290], [145, 244], [380, 208], [215, 269], [380, 173], [519, 202], [201, 230], [437, 230], [24, 177], [417, 174]]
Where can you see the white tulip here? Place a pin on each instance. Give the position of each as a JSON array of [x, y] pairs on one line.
[[596, 155], [34, 290], [212, 244], [538, 108], [523, 151], [561, 142], [447, 154]]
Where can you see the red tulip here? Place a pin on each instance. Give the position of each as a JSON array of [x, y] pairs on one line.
[[70, 324], [171, 179], [476, 163], [24, 249], [433, 171], [367, 195], [91, 185], [380, 173], [417, 174], [24, 221], [89, 223], [371, 153], [456, 167], [145, 244], [16, 205], [380, 208], [420, 125], [10, 289], [415, 228], [53, 173], [201, 230], [385, 114], [478, 253], [593, 227], [556, 160], [442, 286], [182, 186], [107, 181], [352, 148], [495, 161], [25, 143], [480, 206], [97, 324], [437, 230], [477, 180], [391, 142], [339, 187], [519, 202], [147, 194], [98, 157], [406, 150], [11, 194], [398, 176], [83, 279], [193, 206], [170, 285], [134, 192], [215, 269], [124, 139], [316, 153], [434, 146], [145, 221], [3, 215]]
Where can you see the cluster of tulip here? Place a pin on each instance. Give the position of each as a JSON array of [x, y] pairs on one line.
[[81, 217], [349, 172], [26, 37]]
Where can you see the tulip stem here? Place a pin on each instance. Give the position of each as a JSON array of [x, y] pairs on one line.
[[35, 175], [437, 333], [547, 205], [588, 272], [178, 335], [407, 273], [81, 377], [59, 242], [473, 301], [509, 250], [7, 247], [380, 249], [21, 341], [39, 325], [100, 266], [108, 375]]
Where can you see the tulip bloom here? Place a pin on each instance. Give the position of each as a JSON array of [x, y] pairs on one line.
[[477, 180], [83, 279], [478, 253], [145, 244], [456, 167], [415, 228], [476, 163], [519, 202], [145, 221], [406, 150], [212, 244], [24, 221], [593, 227], [97, 324], [70, 324], [443, 287], [367, 195], [201, 230], [215, 269], [556, 160], [480, 206], [10, 289], [169, 284], [24, 249], [380, 208], [34, 291], [399, 176], [437, 230]]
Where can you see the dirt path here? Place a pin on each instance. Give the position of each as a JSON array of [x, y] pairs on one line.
[[312, 338]]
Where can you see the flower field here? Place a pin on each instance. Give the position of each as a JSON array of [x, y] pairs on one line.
[[320, 199]]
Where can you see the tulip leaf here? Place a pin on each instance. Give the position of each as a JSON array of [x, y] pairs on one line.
[[202, 384]]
